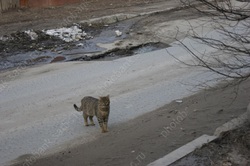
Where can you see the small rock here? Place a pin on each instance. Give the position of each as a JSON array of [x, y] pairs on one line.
[[118, 43], [220, 111], [194, 132], [178, 101], [118, 33], [171, 111], [79, 45]]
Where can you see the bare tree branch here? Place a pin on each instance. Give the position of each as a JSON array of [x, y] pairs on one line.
[[231, 22]]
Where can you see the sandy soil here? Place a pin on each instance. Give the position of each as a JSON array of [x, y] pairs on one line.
[[144, 139]]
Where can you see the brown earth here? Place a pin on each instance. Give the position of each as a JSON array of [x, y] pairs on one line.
[[146, 138]]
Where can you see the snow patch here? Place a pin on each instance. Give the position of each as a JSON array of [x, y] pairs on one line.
[[73, 33]]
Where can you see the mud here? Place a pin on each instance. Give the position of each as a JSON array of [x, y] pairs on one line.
[[20, 42], [19, 49], [119, 53]]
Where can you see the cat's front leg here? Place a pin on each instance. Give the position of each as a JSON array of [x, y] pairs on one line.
[[100, 120], [105, 124]]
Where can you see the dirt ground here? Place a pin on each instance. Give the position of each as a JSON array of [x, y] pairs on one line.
[[232, 148], [38, 19], [147, 138]]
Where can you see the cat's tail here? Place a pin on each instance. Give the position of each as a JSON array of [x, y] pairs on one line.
[[77, 108]]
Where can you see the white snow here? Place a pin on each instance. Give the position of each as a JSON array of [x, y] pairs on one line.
[[33, 35], [70, 34]]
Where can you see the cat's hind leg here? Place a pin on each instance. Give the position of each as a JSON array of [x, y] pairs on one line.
[[91, 121], [85, 117]]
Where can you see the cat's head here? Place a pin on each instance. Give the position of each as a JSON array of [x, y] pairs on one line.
[[104, 100]]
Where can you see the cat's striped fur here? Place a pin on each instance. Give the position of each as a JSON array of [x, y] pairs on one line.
[[95, 107]]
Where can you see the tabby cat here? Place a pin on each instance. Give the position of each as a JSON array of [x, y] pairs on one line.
[[95, 107]]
